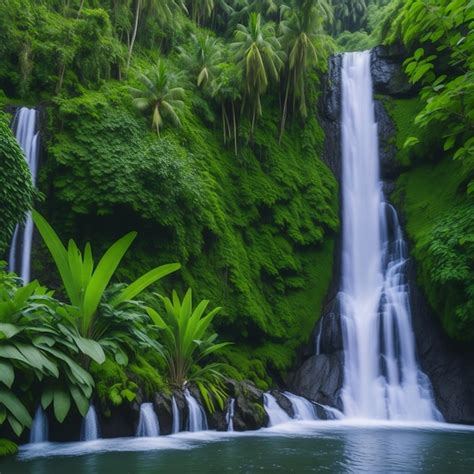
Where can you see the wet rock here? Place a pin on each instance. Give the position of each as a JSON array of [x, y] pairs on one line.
[[449, 366], [320, 379], [284, 403], [121, 421], [249, 411], [163, 409], [390, 167], [388, 76]]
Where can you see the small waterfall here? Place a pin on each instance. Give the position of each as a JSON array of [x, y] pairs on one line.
[[39, 428], [230, 415], [381, 375], [148, 425], [304, 409], [90, 426], [275, 413], [196, 417], [176, 418], [317, 344], [25, 129]]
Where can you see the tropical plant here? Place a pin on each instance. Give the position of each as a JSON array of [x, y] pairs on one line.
[[37, 343], [159, 93], [86, 285], [225, 89], [350, 15], [301, 29], [442, 61], [259, 53], [201, 62], [162, 11], [187, 346]]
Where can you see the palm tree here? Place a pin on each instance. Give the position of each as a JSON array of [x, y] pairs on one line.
[[160, 94], [201, 62], [300, 30], [226, 89], [259, 54], [349, 15], [161, 9], [201, 10]]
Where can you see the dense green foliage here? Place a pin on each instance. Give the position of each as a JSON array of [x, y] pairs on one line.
[[186, 343], [7, 447], [16, 194], [432, 130]]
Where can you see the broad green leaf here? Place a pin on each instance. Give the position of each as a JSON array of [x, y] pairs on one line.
[[47, 397], [61, 404], [90, 348], [80, 400], [7, 374], [15, 407], [9, 330]]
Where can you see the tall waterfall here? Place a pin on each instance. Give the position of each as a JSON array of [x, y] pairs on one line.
[[196, 416], [27, 135], [39, 428], [90, 425], [148, 423], [381, 376]]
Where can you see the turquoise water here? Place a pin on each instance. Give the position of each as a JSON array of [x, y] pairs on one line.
[[295, 447]]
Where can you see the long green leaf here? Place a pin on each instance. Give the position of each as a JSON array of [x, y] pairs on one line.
[[90, 348], [102, 275], [59, 254], [144, 282]]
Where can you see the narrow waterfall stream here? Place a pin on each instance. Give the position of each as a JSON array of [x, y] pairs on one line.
[[39, 428], [26, 131], [90, 426], [304, 409], [381, 377], [196, 416], [148, 424], [230, 415], [176, 427], [276, 414]]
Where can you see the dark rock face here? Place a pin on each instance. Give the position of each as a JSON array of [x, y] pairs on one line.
[[320, 379], [284, 403], [450, 369], [162, 406], [249, 411], [388, 76], [123, 421], [390, 167]]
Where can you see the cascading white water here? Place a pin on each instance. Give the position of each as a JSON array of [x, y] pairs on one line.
[[196, 417], [381, 376], [27, 135], [230, 415], [39, 428], [276, 414], [176, 418], [304, 409], [90, 426], [148, 425]]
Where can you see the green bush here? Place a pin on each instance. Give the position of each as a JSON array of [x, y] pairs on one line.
[[16, 194]]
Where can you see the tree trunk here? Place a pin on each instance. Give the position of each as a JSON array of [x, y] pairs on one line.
[[80, 9], [283, 115], [235, 128], [134, 35], [223, 122]]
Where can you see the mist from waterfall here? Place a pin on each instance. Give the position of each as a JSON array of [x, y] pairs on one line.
[[381, 376], [26, 132]]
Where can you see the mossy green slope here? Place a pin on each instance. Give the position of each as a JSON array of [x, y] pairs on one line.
[[254, 232]]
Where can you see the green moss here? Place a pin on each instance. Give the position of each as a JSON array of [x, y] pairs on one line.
[[254, 232], [7, 448], [147, 375], [16, 193], [440, 224], [403, 113]]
